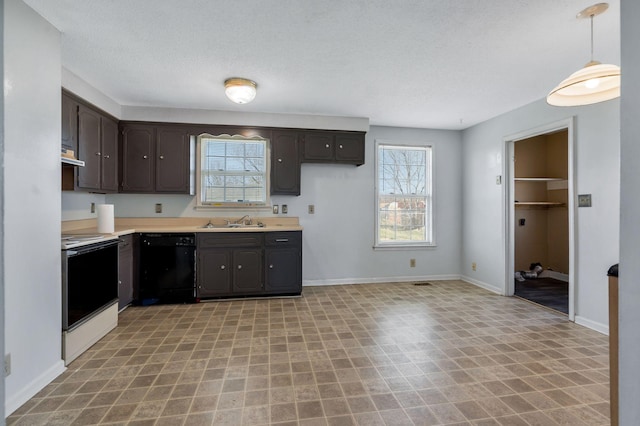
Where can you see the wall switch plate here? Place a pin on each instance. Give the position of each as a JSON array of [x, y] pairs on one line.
[[412, 263], [158, 207], [584, 200], [285, 209], [312, 209], [275, 209], [499, 180], [473, 266], [93, 207]]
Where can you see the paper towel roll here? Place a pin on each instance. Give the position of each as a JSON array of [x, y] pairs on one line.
[[105, 218]]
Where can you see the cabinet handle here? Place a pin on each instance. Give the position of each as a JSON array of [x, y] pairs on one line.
[[162, 157], [239, 266], [282, 240], [222, 267], [107, 156], [340, 146], [326, 146], [144, 157], [98, 153], [279, 160], [270, 266]]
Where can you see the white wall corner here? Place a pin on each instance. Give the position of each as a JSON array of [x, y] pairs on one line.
[[490, 287], [76, 85]]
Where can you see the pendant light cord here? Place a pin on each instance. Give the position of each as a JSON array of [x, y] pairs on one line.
[[591, 38]]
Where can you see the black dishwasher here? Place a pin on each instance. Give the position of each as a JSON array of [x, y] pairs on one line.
[[167, 268]]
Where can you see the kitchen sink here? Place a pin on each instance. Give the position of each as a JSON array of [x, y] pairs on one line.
[[231, 226]]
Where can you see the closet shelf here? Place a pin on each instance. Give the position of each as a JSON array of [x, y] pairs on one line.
[[538, 179], [539, 203]]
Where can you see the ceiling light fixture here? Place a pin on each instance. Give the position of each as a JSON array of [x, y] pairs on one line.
[[595, 82], [240, 90]]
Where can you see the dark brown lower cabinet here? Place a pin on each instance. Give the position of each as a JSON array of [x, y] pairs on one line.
[[248, 264], [125, 271], [283, 263]]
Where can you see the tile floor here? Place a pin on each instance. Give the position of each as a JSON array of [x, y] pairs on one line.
[[379, 354]]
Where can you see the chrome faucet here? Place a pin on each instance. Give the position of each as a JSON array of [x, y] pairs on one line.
[[242, 220]]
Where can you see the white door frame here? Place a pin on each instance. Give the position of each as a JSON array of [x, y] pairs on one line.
[[509, 208]]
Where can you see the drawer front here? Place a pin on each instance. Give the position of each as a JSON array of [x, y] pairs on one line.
[[239, 239], [283, 239]]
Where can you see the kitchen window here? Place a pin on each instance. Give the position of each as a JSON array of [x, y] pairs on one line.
[[404, 196], [232, 171]]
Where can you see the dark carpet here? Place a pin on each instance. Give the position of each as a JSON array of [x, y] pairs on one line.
[[547, 292]]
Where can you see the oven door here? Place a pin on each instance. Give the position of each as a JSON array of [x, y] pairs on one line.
[[89, 281]]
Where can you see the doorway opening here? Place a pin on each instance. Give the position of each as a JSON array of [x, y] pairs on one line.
[[540, 211]]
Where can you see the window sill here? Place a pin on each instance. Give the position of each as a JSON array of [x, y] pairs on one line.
[[389, 247], [232, 206]]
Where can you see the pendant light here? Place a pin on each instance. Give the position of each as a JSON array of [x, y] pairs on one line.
[[240, 90], [595, 82]]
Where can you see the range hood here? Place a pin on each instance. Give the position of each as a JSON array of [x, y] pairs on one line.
[[69, 157], [72, 161]]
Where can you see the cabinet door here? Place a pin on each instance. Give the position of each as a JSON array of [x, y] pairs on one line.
[[318, 147], [125, 272], [283, 271], [172, 161], [89, 148], [350, 148], [214, 273], [138, 152], [69, 123], [285, 163], [247, 271], [109, 167]]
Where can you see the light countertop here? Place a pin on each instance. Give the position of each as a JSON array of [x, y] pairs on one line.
[[125, 226]]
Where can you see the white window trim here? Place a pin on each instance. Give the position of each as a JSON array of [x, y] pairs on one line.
[[232, 205], [404, 245]]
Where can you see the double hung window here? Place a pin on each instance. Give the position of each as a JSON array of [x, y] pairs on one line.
[[233, 171], [404, 199]]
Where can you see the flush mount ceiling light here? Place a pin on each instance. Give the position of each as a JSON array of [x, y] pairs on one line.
[[595, 82], [240, 90]]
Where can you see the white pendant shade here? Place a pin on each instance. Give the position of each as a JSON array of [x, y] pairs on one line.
[[594, 83], [240, 90]]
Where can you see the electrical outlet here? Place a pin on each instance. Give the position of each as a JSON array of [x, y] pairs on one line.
[[499, 180], [93, 207], [285, 209], [521, 222], [7, 365], [312, 209], [584, 200], [275, 209], [412, 263], [159, 208], [473, 266]]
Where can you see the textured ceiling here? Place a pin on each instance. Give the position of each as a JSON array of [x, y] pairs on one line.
[[411, 63]]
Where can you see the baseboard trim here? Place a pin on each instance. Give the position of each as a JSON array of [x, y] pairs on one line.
[[379, 280], [593, 325], [15, 401], [483, 285], [555, 275]]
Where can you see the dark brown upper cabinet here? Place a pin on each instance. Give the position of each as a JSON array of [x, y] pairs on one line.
[[285, 163], [155, 159], [98, 148], [70, 123], [333, 147]]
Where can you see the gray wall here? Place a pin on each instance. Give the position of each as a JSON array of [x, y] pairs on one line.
[[597, 159], [629, 320], [2, 410], [31, 188]]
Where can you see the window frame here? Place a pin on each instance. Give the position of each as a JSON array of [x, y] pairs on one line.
[[232, 204], [430, 175]]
